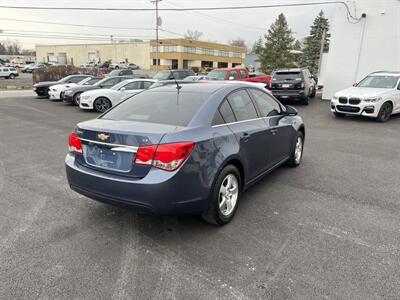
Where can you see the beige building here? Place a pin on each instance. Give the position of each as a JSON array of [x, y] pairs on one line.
[[173, 53]]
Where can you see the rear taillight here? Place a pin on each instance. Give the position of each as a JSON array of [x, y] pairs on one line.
[[74, 143], [168, 157]]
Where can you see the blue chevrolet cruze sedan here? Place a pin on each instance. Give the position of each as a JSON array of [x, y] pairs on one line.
[[184, 148]]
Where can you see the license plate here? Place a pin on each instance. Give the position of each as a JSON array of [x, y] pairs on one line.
[[284, 97], [285, 86], [107, 159]]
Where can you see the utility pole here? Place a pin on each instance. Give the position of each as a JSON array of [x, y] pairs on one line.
[[321, 52], [158, 21]]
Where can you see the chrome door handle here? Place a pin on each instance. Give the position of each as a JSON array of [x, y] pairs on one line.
[[274, 131]]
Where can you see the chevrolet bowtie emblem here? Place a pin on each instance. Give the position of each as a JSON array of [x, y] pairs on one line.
[[102, 137]]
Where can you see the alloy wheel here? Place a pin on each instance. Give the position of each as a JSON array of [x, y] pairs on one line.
[[228, 195], [102, 104], [298, 151]]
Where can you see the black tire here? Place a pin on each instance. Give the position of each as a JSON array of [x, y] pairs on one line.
[[12, 76], [116, 67], [214, 214], [385, 112], [62, 96], [76, 99], [305, 101], [294, 161], [101, 104], [313, 93], [339, 115]]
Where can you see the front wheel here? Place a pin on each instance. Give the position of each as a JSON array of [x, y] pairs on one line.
[[12, 76], [76, 98], [224, 198], [297, 152], [101, 104], [385, 112], [305, 101]]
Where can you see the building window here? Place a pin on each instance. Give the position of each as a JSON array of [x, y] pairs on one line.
[[154, 49], [155, 62], [187, 49], [207, 51], [223, 53], [237, 54], [170, 48]]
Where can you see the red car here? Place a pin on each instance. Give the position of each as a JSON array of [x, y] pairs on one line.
[[241, 74]]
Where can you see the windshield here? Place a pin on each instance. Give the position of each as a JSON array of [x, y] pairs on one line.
[[382, 82], [217, 75], [91, 81], [163, 107], [162, 75], [119, 85], [98, 83], [287, 76], [65, 79], [84, 81]]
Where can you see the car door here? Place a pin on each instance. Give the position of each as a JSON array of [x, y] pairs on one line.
[[250, 131], [280, 131], [2, 73]]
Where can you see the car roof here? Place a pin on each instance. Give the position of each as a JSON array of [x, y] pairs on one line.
[[290, 70], [203, 86], [386, 73]]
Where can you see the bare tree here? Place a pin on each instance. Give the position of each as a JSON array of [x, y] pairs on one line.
[[193, 35], [238, 42], [13, 47]]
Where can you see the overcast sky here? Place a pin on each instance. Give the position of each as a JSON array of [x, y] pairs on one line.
[[220, 26]]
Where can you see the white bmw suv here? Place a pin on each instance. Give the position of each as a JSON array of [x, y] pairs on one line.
[[376, 96]]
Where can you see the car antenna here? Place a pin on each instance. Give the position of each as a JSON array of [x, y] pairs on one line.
[[178, 87]]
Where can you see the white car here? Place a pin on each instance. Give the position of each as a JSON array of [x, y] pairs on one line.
[[376, 96], [56, 91], [103, 99], [8, 72], [119, 65]]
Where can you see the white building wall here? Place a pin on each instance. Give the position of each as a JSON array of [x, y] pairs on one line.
[[353, 55]]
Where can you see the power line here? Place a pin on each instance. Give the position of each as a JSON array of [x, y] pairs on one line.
[[76, 25], [184, 9]]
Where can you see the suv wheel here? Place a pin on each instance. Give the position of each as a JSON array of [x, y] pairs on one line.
[[385, 112], [12, 76], [224, 199], [297, 152], [314, 92], [305, 101]]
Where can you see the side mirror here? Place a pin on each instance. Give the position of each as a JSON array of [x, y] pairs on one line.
[[231, 78], [123, 89], [355, 84], [291, 111]]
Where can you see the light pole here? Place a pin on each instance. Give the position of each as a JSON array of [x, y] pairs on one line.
[[158, 21]]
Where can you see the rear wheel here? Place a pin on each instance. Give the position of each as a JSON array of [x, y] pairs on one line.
[[101, 104], [313, 93], [224, 198], [305, 101], [12, 76], [76, 98], [297, 152], [385, 112]]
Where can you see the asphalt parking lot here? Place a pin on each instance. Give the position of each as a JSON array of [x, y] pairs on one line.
[[326, 230]]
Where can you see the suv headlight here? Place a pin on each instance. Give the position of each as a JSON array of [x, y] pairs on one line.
[[85, 97], [373, 99]]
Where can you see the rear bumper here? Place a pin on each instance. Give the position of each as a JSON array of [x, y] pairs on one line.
[[160, 192], [289, 95]]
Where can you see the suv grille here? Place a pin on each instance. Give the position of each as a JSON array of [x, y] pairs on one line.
[[343, 100], [354, 101], [348, 108]]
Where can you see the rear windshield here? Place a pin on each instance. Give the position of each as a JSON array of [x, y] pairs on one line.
[[217, 75], [164, 107], [288, 76]]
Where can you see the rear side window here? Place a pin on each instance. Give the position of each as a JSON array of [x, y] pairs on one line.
[[226, 112], [234, 74], [132, 86], [111, 82], [147, 84], [77, 79], [243, 74], [288, 76], [267, 105], [242, 106], [162, 107]]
